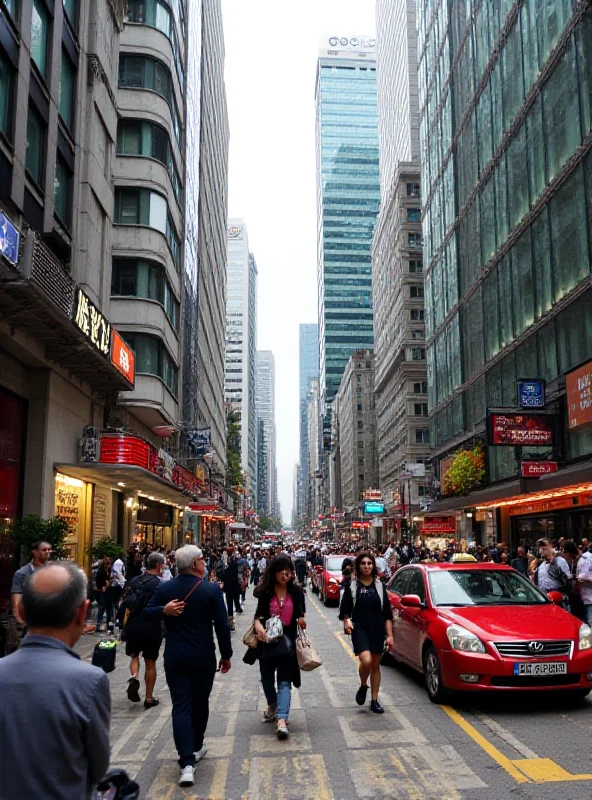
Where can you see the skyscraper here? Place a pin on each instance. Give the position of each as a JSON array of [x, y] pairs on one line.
[[265, 410], [241, 344], [400, 377], [506, 178], [348, 200], [308, 368]]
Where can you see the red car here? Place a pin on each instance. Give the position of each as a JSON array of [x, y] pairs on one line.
[[326, 581], [476, 627]]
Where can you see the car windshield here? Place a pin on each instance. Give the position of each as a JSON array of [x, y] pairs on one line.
[[334, 563], [483, 588]]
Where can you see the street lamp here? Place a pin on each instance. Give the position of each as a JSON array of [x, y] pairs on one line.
[[209, 459]]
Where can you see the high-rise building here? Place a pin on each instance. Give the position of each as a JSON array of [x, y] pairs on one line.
[[308, 368], [355, 418], [505, 103], [265, 410], [316, 489], [241, 345], [348, 200], [401, 373]]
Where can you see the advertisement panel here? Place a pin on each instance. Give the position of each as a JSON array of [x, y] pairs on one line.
[[434, 525], [122, 357], [373, 507], [534, 469], [579, 396], [520, 429]]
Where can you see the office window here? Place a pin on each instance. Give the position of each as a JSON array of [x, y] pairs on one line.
[[153, 358], [416, 314], [6, 74], [413, 190], [39, 33], [151, 12], [420, 387], [70, 9], [129, 138], [138, 138], [415, 266], [360, 407], [66, 90], [360, 425], [414, 215], [35, 154], [420, 409], [416, 292], [61, 192], [415, 241], [561, 115], [139, 72], [145, 279], [422, 436], [417, 334], [418, 354]]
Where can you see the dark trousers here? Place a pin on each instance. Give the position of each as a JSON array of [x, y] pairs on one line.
[[233, 600], [255, 575], [190, 686]]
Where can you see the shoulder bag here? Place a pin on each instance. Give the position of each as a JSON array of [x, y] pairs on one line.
[[250, 637]]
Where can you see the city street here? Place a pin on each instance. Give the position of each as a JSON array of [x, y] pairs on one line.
[[493, 749]]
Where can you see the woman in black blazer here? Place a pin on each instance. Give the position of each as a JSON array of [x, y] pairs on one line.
[[278, 595]]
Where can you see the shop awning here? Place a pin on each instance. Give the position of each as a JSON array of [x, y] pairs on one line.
[[134, 479], [238, 526]]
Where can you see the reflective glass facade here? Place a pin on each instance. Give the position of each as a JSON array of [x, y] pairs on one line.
[[348, 200], [505, 109]]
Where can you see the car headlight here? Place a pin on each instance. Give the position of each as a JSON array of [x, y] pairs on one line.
[[585, 642], [462, 639]]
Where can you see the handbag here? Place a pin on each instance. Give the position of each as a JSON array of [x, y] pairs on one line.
[[275, 649], [250, 638], [308, 658], [274, 628]]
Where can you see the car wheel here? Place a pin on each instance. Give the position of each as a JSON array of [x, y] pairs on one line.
[[432, 672], [325, 601]]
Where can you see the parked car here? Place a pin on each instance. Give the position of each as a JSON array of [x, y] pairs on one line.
[[326, 580], [484, 627]]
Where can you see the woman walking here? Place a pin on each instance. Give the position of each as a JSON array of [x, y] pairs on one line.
[[279, 596], [368, 617]]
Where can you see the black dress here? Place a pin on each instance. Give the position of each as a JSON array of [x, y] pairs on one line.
[[368, 617]]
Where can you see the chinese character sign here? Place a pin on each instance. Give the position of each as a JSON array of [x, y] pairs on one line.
[[89, 321], [531, 394], [122, 356]]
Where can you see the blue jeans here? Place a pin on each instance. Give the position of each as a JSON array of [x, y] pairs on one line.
[[282, 696]]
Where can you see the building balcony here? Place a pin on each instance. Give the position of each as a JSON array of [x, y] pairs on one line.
[[151, 402], [144, 316]]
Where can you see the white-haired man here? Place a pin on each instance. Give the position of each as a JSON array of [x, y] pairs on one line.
[[190, 605]]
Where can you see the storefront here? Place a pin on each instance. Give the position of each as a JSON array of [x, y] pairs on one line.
[[436, 532], [13, 423], [569, 517]]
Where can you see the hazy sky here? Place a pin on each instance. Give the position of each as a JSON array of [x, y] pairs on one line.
[[271, 52]]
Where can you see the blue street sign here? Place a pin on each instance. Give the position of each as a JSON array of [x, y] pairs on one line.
[[9, 239], [531, 393]]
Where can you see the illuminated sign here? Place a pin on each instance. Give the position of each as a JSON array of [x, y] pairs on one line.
[[520, 429], [9, 239], [438, 525], [372, 507], [234, 232], [579, 396], [531, 393], [89, 321], [122, 357], [360, 524], [534, 469]]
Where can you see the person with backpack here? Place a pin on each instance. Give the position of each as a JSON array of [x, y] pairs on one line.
[[367, 615], [143, 635]]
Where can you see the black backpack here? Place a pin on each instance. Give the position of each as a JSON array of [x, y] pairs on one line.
[[140, 591]]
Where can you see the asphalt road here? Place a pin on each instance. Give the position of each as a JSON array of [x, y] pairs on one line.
[[495, 749]]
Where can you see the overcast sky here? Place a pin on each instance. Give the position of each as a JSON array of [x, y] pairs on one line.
[[271, 53]]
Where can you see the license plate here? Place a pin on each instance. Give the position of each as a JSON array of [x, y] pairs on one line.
[[540, 668]]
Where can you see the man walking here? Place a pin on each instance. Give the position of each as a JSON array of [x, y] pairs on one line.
[[55, 708], [190, 606], [41, 553], [143, 635]]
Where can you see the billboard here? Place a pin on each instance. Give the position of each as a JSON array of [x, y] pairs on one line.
[[435, 525], [373, 507], [520, 429], [579, 396]]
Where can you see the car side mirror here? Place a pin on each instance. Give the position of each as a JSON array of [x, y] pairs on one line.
[[555, 597], [411, 601]]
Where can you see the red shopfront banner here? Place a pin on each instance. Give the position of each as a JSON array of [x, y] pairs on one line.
[[360, 524], [433, 525], [137, 452], [534, 469], [579, 396], [520, 429], [542, 506]]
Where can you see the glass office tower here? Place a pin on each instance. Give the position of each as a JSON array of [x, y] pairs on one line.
[[505, 110], [348, 201]]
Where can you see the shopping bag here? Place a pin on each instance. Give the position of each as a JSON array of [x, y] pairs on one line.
[[250, 637], [308, 658], [274, 628], [104, 655]]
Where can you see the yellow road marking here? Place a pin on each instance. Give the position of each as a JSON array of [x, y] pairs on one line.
[[339, 637], [491, 751], [523, 770], [218, 788]]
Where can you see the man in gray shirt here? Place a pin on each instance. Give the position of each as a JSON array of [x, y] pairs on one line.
[[41, 553], [55, 709]]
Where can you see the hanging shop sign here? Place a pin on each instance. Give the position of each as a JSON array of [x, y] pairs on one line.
[[579, 396], [92, 323], [371, 494], [534, 469], [122, 357], [200, 439], [531, 393], [9, 239], [373, 507], [432, 525], [360, 524], [520, 429]]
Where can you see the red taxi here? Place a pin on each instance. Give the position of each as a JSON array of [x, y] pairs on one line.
[[476, 627], [326, 580]]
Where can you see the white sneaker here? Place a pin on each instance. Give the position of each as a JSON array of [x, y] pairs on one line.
[[201, 753], [187, 777]]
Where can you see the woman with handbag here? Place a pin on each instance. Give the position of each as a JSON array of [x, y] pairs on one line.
[[280, 612], [367, 615]]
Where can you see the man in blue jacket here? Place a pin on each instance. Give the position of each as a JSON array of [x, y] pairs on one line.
[[190, 605]]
